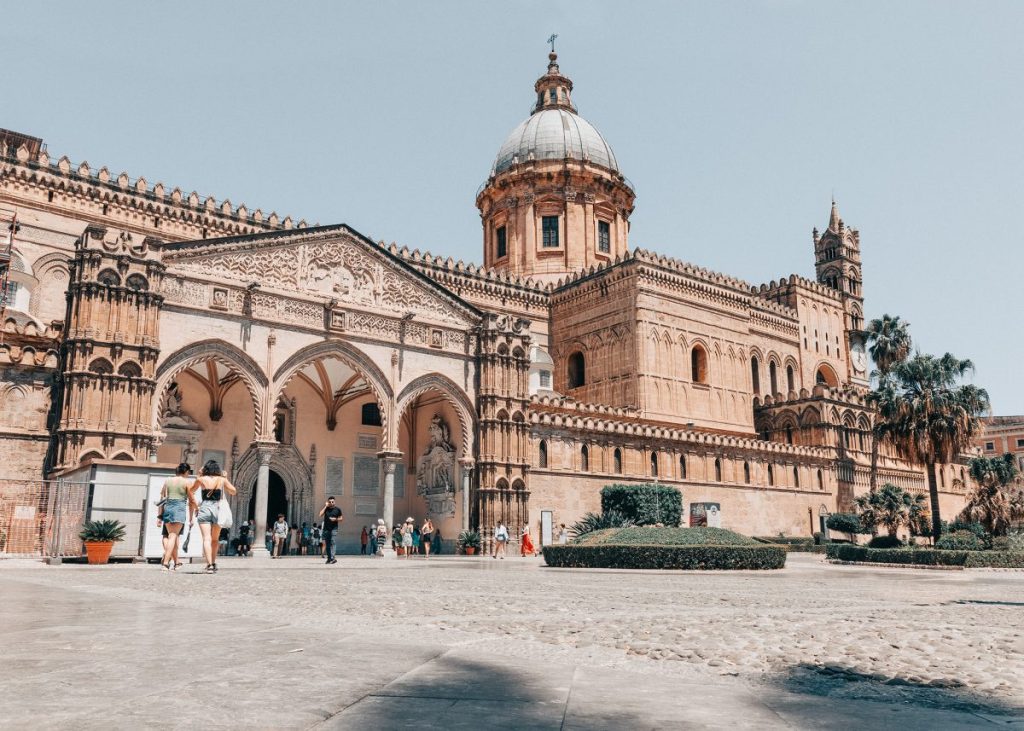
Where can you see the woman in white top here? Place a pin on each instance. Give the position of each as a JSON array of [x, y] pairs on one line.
[[280, 536], [407, 537], [211, 486], [500, 540]]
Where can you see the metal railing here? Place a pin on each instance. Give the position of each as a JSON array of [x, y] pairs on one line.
[[41, 518]]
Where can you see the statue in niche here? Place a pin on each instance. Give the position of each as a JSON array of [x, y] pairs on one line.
[[435, 473], [173, 416]]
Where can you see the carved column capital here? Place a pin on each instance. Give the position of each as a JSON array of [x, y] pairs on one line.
[[390, 460], [265, 451]]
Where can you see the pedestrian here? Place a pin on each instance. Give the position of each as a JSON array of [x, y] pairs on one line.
[[500, 540], [396, 538], [280, 534], [317, 537], [563, 535], [244, 539], [526, 543], [332, 516], [212, 486], [268, 539], [426, 536], [176, 503], [373, 540], [222, 541], [415, 540], [364, 540], [407, 537], [293, 540], [307, 538], [437, 543]]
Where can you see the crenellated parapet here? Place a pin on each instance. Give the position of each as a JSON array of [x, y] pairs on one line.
[[30, 178]]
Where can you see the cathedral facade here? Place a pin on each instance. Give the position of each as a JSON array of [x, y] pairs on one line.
[[146, 325]]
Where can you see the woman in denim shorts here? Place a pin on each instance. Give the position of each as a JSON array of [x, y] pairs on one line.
[[177, 505], [211, 486]]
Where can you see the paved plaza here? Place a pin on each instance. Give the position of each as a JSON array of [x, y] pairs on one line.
[[472, 643]]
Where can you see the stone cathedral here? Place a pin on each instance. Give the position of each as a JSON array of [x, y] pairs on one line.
[[145, 324]]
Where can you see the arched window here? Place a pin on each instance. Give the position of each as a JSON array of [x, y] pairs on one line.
[[773, 377], [821, 481], [746, 472], [617, 459], [790, 380], [577, 370], [130, 370], [699, 364], [102, 366], [796, 476], [682, 467], [718, 470], [371, 414], [826, 377], [137, 283], [109, 277], [771, 475], [789, 435], [654, 464], [584, 458], [755, 375], [542, 456]]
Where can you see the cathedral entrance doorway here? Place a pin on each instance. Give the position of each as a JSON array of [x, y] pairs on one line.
[[277, 499]]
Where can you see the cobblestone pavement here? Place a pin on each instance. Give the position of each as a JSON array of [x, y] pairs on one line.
[[448, 641]]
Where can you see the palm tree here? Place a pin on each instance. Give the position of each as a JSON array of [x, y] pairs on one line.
[[990, 502], [892, 506], [889, 344], [928, 415]]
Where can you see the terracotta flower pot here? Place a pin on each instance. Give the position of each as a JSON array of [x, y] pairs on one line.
[[98, 551], [470, 550]]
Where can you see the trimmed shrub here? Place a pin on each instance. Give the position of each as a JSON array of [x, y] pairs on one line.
[[845, 523], [885, 542], [786, 540], [961, 540], [683, 557], [928, 557], [652, 536], [592, 522], [644, 504]]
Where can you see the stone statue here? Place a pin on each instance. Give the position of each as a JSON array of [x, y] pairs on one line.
[[173, 416], [435, 473]]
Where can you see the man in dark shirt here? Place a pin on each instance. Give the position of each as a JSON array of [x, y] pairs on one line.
[[332, 516]]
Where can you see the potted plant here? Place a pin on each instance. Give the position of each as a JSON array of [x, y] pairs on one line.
[[99, 537], [469, 542]]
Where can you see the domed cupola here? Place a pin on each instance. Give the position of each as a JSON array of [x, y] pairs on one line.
[[555, 200]]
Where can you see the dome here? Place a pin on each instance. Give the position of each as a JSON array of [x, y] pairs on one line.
[[555, 134]]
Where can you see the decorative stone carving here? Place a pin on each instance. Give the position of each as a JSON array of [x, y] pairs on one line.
[[435, 476]]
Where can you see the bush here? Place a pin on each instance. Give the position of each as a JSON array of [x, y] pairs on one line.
[[592, 522], [652, 536], [468, 539], [684, 557], [928, 556], [845, 523], [885, 542], [961, 540], [1013, 541], [781, 540], [102, 531], [644, 504]]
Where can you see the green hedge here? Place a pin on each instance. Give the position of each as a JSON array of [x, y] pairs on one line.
[[686, 557], [928, 556], [644, 504], [651, 536], [786, 540]]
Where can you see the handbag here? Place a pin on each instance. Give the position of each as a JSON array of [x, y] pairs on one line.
[[224, 513]]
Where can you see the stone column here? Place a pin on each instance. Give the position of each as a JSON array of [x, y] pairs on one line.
[[390, 460], [265, 450], [467, 472]]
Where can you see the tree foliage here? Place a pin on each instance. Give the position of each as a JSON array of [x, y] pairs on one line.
[[992, 503], [891, 507]]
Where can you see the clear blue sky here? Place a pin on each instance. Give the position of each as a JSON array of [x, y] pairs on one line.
[[736, 121]]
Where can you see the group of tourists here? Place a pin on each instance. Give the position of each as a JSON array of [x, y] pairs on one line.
[[408, 539], [179, 505]]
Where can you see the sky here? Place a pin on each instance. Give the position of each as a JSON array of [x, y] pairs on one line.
[[735, 121]]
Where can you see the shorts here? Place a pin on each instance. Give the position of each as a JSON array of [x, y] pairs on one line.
[[208, 511], [175, 511], [425, 539]]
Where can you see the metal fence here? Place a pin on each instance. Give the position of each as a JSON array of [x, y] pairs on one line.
[[41, 518]]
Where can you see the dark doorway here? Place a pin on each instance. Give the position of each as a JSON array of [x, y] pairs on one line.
[[277, 499]]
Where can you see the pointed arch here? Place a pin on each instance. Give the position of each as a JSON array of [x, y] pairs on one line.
[[451, 393]]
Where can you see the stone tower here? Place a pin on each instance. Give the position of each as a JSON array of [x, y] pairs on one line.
[[555, 201], [837, 265], [111, 349]]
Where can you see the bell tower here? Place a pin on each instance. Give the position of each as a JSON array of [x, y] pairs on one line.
[[555, 201]]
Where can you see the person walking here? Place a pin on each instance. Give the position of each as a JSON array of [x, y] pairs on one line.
[[437, 543], [407, 537], [500, 540], [396, 538], [280, 536], [293, 540], [212, 486], [426, 536], [373, 540], [563, 535], [332, 516], [415, 540], [382, 536], [307, 538], [364, 540], [318, 537], [244, 539], [526, 543], [178, 504]]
